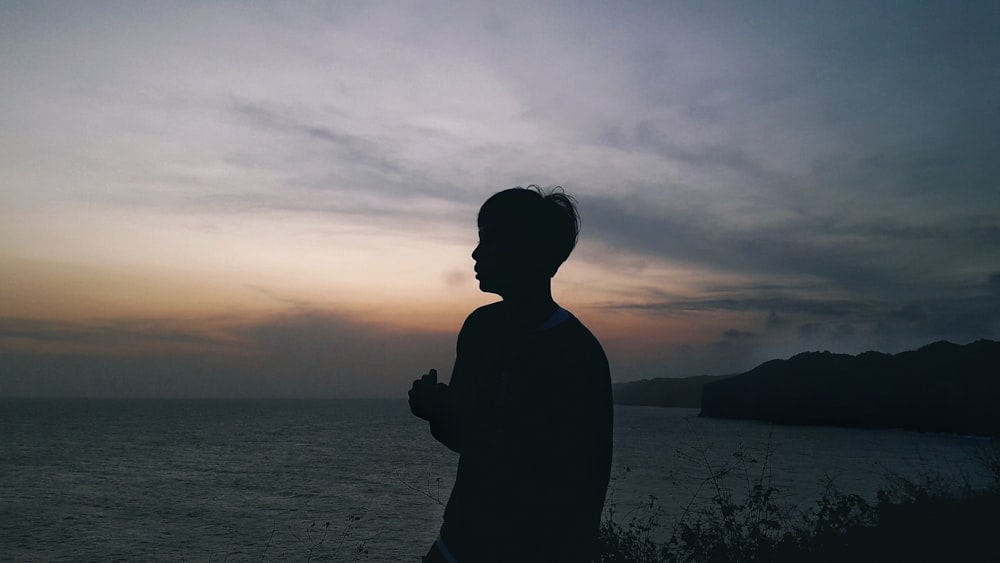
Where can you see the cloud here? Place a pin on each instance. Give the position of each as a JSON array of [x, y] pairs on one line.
[[774, 321], [310, 133], [456, 278], [774, 306], [834, 164], [736, 334], [865, 258], [826, 332], [962, 320], [299, 354], [123, 335]]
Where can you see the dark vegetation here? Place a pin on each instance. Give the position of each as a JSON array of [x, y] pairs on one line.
[[942, 387], [930, 519]]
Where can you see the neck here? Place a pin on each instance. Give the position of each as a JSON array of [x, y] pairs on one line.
[[531, 305]]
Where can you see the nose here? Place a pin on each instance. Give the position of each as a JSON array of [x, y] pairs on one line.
[[476, 252]]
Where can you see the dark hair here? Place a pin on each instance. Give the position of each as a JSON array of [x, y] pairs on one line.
[[547, 218]]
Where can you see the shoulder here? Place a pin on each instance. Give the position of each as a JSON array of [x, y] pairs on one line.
[[487, 311], [483, 316], [481, 321], [581, 341], [573, 327]]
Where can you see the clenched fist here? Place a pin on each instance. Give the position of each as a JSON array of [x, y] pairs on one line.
[[428, 397]]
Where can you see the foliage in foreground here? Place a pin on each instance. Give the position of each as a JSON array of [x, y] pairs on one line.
[[910, 520], [930, 519]]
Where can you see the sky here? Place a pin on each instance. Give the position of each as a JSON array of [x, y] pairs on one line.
[[279, 199]]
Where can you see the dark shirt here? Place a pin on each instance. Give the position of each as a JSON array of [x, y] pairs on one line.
[[530, 413]]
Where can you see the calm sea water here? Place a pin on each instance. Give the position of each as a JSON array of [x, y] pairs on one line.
[[210, 480]]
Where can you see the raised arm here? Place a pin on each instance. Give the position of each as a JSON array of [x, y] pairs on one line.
[[432, 401], [445, 426], [452, 428], [448, 407]]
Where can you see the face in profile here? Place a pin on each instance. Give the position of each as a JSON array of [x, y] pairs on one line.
[[504, 260], [494, 259]]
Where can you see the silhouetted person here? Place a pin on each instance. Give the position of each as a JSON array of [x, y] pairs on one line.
[[528, 407]]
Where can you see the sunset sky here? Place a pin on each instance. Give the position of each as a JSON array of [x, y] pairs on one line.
[[279, 199]]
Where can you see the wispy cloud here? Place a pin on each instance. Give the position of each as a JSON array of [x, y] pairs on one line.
[[307, 134], [303, 353], [810, 174], [124, 336]]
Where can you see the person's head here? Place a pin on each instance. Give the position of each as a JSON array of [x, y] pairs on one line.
[[525, 234]]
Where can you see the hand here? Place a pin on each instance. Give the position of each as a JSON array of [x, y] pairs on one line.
[[427, 396]]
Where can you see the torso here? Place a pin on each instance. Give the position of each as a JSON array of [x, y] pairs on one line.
[[535, 415]]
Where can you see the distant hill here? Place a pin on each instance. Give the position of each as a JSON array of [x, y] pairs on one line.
[[942, 387], [663, 391]]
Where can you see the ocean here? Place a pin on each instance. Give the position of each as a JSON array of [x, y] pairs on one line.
[[362, 480]]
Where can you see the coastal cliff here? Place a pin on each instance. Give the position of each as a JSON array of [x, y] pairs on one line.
[[941, 387]]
